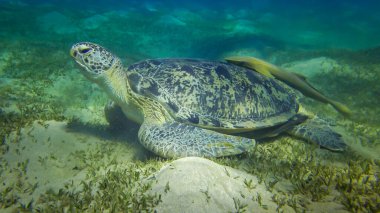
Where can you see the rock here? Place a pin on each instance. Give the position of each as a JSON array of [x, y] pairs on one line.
[[195, 184], [150, 6], [241, 27], [254, 52], [312, 67], [94, 22], [57, 23], [169, 20]]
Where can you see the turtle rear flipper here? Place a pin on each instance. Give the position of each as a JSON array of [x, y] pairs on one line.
[[318, 131], [174, 140]]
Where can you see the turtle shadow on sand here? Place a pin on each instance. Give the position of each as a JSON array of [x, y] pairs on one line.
[[119, 132]]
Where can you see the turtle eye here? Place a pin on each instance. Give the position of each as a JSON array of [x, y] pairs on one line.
[[85, 50]]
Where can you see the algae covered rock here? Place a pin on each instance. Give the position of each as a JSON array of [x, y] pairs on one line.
[[312, 67], [169, 20], [94, 22], [195, 184], [57, 22]]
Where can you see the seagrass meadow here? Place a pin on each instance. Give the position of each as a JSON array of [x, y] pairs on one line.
[[59, 154]]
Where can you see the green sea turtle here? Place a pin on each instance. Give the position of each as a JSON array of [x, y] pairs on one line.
[[191, 107]]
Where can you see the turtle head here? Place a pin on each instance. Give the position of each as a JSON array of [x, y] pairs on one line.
[[94, 59]]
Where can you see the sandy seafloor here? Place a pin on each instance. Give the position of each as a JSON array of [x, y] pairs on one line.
[[59, 154]]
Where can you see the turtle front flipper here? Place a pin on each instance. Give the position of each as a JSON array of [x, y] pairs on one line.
[[318, 131], [173, 140], [116, 118], [114, 114]]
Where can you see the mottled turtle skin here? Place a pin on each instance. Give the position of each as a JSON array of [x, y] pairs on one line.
[[190, 107]]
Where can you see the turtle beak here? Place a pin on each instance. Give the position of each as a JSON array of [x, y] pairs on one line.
[[73, 52]]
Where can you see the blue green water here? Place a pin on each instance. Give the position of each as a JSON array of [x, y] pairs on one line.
[[335, 44], [144, 26]]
